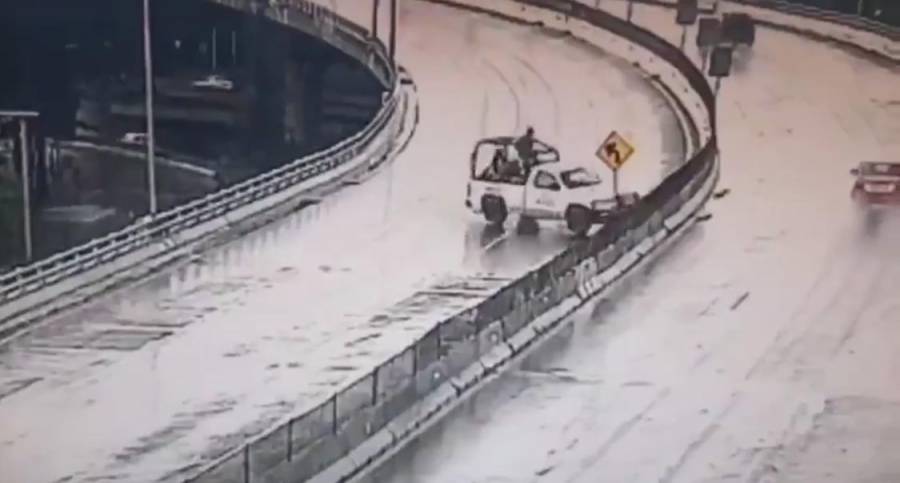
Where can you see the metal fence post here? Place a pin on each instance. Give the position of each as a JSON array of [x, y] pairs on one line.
[[438, 343], [290, 440], [375, 386], [334, 416], [246, 463]]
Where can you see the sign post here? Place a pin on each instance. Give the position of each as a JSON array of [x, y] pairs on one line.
[[685, 16], [720, 65], [615, 152], [709, 33]]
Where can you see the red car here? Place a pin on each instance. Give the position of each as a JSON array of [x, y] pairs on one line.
[[876, 183]]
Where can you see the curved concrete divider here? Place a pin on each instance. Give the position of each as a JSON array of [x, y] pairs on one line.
[[376, 415]]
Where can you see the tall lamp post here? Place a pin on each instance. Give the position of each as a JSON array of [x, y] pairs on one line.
[[24, 139], [375, 5], [148, 95], [393, 41]]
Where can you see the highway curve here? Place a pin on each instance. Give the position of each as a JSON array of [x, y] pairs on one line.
[[175, 370], [762, 347]]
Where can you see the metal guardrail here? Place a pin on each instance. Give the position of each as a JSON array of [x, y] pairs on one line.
[[305, 445], [28, 279], [128, 151]]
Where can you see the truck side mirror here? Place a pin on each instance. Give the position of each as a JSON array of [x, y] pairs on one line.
[[854, 171]]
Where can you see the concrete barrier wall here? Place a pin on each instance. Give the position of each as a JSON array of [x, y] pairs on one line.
[[548, 315], [378, 413]]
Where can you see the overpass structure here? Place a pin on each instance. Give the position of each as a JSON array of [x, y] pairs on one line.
[[293, 317]]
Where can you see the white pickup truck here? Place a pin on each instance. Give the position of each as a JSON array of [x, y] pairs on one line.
[[545, 191]]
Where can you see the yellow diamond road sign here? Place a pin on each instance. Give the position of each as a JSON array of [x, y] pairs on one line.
[[615, 151]]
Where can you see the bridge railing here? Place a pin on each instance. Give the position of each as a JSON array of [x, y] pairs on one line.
[[374, 142]]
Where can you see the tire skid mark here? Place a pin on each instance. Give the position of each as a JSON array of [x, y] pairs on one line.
[[549, 88], [804, 336], [850, 329], [705, 435], [763, 465], [776, 348], [485, 109], [512, 91], [621, 431]]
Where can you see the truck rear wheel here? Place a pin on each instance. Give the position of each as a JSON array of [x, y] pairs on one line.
[[494, 209], [578, 219]]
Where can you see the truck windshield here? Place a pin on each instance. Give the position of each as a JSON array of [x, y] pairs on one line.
[[579, 177]]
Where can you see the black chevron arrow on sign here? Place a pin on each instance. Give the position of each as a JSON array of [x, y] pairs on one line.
[[613, 153]]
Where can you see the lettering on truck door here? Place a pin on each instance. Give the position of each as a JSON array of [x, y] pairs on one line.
[[542, 198]]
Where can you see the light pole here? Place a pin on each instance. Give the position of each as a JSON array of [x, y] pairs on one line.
[[23, 117], [393, 31], [26, 185], [233, 48], [148, 94], [214, 49], [375, 5]]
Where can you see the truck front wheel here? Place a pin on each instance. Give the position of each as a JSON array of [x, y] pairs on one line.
[[578, 219], [494, 209]]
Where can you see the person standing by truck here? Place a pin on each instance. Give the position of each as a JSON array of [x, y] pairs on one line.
[[525, 148]]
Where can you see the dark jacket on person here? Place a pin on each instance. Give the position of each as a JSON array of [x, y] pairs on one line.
[[525, 147]]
